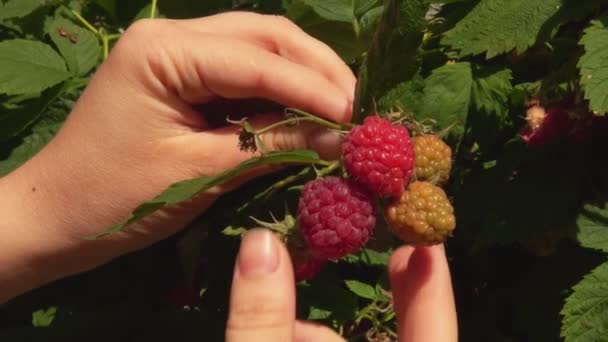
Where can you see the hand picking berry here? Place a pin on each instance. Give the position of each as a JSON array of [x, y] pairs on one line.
[[433, 159], [422, 215], [379, 155], [335, 216]]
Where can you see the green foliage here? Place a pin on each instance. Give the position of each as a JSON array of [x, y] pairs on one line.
[[593, 228], [499, 26], [594, 66], [81, 56], [44, 318], [18, 8], [392, 57], [530, 222], [28, 66], [185, 190], [585, 310]]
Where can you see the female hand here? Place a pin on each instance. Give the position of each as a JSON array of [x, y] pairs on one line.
[[262, 302], [135, 131]]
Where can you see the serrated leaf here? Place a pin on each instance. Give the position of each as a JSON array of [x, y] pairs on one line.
[[18, 8], [361, 289], [447, 96], [392, 57], [44, 318], [499, 26], [491, 89], [80, 56], [28, 66], [407, 95], [185, 190], [594, 66], [584, 313], [593, 227], [340, 10]]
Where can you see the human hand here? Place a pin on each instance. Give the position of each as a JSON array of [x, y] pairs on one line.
[[262, 301], [135, 131]]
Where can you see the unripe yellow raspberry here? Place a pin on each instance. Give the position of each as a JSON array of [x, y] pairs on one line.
[[422, 215], [433, 159]]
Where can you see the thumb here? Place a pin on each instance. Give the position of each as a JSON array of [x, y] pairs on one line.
[[422, 291], [262, 300]]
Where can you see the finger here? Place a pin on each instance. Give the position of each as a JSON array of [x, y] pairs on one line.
[[280, 36], [262, 300], [422, 292], [199, 67], [308, 331], [204, 145]]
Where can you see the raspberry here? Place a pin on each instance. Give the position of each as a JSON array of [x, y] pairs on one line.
[[545, 127], [379, 156], [309, 268], [422, 215], [336, 217], [433, 159]]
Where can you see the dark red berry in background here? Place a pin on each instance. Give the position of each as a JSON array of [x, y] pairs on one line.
[[335, 216], [379, 156], [309, 268]]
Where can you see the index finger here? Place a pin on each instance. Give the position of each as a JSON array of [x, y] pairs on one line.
[[199, 66]]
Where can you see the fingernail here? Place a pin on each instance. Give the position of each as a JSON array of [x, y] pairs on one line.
[[259, 254]]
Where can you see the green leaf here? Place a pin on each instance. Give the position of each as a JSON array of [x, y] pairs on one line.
[[499, 26], [341, 10], [594, 66], [31, 145], [18, 8], [28, 66], [392, 57], [593, 227], [584, 313], [345, 26], [447, 96], [327, 300], [81, 56], [407, 95], [491, 89], [362, 290], [184, 190], [44, 318], [369, 257], [17, 118]]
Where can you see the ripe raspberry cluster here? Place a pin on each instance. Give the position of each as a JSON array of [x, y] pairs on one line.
[[337, 216]]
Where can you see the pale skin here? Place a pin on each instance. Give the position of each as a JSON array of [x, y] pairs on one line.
[[134, 132]]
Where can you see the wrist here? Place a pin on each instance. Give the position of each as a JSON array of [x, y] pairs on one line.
[[38, 243]]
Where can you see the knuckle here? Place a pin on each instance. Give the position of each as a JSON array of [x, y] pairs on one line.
[[256, 315]]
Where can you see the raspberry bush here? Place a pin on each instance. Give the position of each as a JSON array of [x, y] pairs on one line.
[[479, 124]]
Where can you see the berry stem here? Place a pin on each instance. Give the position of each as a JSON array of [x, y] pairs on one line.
[[86, 23]]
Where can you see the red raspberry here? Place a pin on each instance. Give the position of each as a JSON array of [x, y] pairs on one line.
[[379, 155], [545, 127], [309, 268], [335, 217]]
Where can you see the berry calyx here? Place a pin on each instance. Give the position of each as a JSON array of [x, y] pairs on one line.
[[433, 159], [335, 216], [379, 156], [422, 215]]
